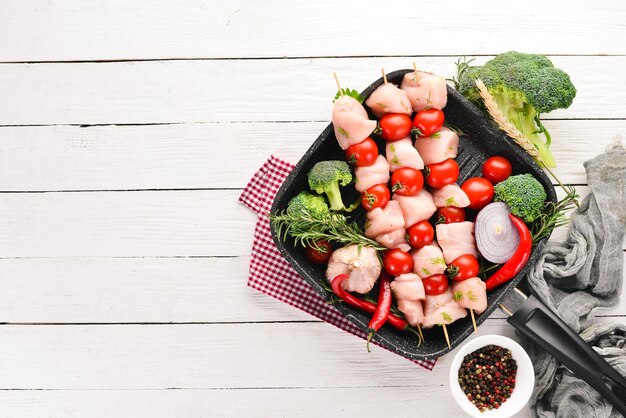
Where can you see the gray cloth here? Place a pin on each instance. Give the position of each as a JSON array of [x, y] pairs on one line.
[[577, 276]]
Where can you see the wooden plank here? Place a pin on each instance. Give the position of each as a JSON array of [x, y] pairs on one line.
[[254, 403], [123, 224], [206, 357], [144, 29], [156, 290], [179, 223], [184, 156], [243, 90], [122, 290]]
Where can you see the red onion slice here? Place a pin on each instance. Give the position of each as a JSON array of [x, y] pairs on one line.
[[496, 237]]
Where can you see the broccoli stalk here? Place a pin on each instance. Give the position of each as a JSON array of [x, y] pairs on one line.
[[326, 176], [524, 86]]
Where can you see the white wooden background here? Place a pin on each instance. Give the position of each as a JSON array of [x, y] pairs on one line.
[[127, 131]]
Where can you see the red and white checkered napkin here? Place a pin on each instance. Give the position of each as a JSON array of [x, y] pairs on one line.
[[270, 273]]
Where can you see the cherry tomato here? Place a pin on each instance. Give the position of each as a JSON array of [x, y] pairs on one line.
[[497, 169], [397, 262], [362, 154], [479, 191], [451, 214], [420, 234], [463, 268], [428, 121], [375, 197], [435, 285], [443, 173], [407, 181], [316, 256], [395, 126]]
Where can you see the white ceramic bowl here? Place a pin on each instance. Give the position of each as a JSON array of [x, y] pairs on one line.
[[524, 380]]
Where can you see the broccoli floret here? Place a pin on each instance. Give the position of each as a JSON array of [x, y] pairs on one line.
[[524, 194], [306, 203], [524, 86], [326, 176]]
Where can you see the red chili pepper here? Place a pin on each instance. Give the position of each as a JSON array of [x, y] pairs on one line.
[[382, 308], [364, 305], [519, 258]]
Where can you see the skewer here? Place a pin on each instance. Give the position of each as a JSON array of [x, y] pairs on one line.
[[445, 332], [384, 75], [338, 85], [473, 321], [415, 71], [419, 329]]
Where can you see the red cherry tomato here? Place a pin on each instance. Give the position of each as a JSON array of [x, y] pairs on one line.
[[451, 214], [421, 234], [397, 262], [497, 169], [394, 126], [428, 121], [321, 255], [463, 268], [443, 173], [479, 191], [435, 285], [362, 154], [375, 197], [407, 181]]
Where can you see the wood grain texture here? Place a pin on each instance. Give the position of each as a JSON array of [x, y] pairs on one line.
[[154, 290], [213, 155], [401, 402], [122, 224], [35, 30], [244, 90], [216, 356]]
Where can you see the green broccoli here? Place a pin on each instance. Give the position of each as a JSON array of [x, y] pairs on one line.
[[524, 194], [307, 204], [326, 176], [524, 86]]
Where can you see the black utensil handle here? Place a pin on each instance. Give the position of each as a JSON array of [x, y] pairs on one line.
[[537, 322]]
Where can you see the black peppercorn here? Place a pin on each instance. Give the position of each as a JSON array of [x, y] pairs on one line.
[[490, 369]]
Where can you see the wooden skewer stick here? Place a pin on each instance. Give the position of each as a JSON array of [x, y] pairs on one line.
[[415, 70], [338, 85], [419, 329], [445, 332], [384, 75], [474, 321]]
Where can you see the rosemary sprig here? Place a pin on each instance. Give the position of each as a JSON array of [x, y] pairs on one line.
[[307, 229], [554, 215], [462, 65]]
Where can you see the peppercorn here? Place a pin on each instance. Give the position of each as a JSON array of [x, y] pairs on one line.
[[487, 376]]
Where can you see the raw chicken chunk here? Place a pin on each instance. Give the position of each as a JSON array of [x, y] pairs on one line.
[[350, 121], [408, 286], [384, 220], [388, 99], [372, 175], [428, 261], [438, 147], [429, 90], [359, 262], [412, 310], [456, 239], [441, 309], [450, 195], [471, 294], [409, 291], [416, 208], [394, 239], [445, 314], [402, 153]]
